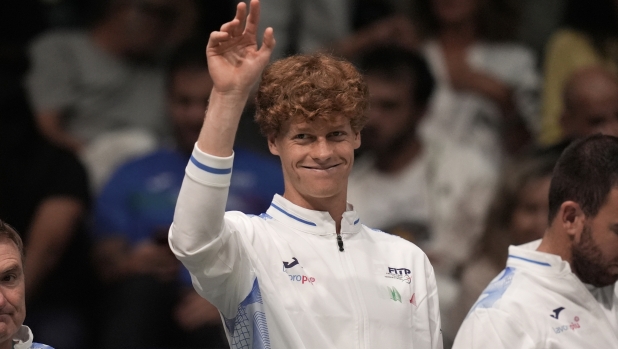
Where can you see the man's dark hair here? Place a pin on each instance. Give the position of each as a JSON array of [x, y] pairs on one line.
[[585, 173], [7, 231], [393, 63]]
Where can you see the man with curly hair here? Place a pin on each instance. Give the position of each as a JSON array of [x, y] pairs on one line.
[[307, 273]]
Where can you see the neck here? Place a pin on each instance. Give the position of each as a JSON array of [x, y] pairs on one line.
[[555, 243], [396, 158], [335, 206]]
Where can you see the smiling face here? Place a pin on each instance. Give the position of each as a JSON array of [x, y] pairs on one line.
[[316, 157], [595, 254], [12, 290]]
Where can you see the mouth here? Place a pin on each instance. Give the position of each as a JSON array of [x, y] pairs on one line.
[[321, 168]]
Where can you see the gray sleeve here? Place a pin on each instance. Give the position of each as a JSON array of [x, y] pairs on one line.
[[50, 80]]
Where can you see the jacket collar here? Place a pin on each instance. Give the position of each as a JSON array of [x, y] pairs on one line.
[[311, 221], [527, 256]]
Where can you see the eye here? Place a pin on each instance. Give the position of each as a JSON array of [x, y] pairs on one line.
[[300, 136], [9, 278], [338, 134]]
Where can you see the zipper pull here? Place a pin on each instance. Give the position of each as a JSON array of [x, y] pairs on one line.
[[340, 242]]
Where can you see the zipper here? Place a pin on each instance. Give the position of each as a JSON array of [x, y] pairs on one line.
[[356, 299], [340, 242]]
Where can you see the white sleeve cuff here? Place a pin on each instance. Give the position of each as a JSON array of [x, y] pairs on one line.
[[209, 169]]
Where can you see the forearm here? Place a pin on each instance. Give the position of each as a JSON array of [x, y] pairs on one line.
[[221, 122], [200, 209], [50, 126], [494, 89], [54, 224]]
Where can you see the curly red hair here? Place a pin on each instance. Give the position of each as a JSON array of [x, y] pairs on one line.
[[306, 87]]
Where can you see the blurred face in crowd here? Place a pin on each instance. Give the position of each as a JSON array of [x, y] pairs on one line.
[[453, 12], [595, 254], [148, 24], [393, 114], [591, 104], [316, 156], [529, 219], [189, 91], [12, 290]]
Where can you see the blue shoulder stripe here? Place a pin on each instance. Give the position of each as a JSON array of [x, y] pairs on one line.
[[530, 261], [293, 216]]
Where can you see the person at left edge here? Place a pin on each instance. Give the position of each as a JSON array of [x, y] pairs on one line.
[[13, 334]]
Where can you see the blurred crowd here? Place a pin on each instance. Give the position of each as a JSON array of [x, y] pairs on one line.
[[101, 101]]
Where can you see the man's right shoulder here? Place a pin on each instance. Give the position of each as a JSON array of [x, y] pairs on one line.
[[512, 292]]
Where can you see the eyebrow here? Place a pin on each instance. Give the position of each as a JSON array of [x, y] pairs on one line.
[[11, 268]]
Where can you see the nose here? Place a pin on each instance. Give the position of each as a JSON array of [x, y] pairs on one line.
[[322, 149]]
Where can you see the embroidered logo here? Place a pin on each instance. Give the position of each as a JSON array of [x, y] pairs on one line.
[[556, 312], [399, 271], [574, 325], [394, 294], [405, 278], [287, 265]]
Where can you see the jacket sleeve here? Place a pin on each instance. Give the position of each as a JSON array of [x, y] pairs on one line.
[[492, 328], [435, 326], [208, 241]]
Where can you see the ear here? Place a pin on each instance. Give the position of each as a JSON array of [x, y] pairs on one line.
[[272, 145], [572, 219], [357, 140]]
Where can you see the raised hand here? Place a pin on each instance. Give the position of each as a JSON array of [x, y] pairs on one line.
[[234, 60]]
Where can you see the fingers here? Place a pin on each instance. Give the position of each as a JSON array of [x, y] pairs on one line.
[[241, 16], [217, 38], [268, 43], [254, 17]]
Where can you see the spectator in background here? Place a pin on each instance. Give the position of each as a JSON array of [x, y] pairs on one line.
[[590, 100], [487, 86], [133, 215], [433, 194], [13, 334], [99, 92], [517, 215], [589, 37], [45, 195], [304, 26]]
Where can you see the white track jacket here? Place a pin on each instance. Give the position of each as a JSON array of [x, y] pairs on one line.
[[537, 302], [280, 281]]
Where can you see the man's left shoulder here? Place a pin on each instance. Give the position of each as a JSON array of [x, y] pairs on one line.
[[392, 242]]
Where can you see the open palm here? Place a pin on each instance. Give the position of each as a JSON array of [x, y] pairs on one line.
[[234, 60]]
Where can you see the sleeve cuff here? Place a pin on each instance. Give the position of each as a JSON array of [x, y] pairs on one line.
[[209, 169]]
